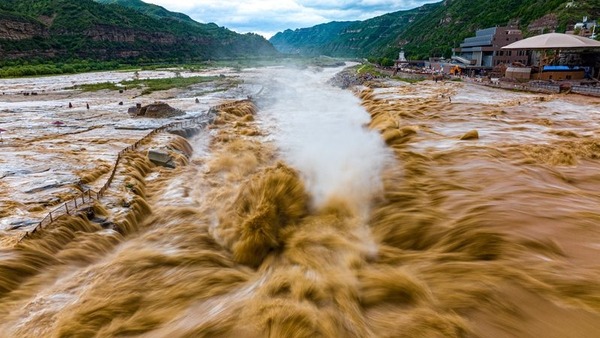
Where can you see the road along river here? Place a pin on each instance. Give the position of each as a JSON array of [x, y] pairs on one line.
[[394, 210]]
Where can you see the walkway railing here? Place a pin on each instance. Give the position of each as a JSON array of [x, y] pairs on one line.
[[539, 87], [543, 87], [71, 206], [586, 90], [88, 196]]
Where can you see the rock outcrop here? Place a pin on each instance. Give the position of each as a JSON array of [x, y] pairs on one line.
[[14, 29], [121, 34], [350, 77], [155, 110], [161, 157]]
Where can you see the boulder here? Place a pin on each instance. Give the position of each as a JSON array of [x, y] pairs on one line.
[[161, 157], [155, 110], [471, 135]]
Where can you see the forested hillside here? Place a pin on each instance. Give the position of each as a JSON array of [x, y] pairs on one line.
[[59, 30], [309, 41], [155, 11], [433, 29]]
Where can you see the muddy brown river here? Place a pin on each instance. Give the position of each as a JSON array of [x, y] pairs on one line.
[[392, 210]]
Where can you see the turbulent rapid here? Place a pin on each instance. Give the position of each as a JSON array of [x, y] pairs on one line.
[[320, 212]]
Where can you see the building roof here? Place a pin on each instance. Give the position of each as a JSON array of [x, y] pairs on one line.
[[554, 41], [483, 37]]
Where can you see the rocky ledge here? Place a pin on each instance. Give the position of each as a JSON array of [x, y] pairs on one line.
[[155, 110]]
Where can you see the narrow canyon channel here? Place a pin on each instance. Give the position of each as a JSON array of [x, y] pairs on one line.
[[433, 209]]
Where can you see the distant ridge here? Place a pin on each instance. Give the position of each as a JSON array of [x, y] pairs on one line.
[[308, 41], [432, 29]]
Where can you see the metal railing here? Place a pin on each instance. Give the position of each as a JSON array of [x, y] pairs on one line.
[[586, 90], [544, 87], [88, 196], [70, 207], [547, 88]]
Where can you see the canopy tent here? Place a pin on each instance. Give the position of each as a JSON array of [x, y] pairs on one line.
[[554, 41]]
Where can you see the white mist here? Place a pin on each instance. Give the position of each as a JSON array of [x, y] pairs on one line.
[[322, 133]]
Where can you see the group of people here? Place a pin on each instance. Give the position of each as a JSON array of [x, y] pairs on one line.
[[87, 105]]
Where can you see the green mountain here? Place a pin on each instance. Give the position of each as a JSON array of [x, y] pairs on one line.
[[152, 10], [308, 41], [350, 39], [433, 29], [85, 29]]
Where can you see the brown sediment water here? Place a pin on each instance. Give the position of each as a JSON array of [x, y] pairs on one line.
[[325, 219], [502, 228]]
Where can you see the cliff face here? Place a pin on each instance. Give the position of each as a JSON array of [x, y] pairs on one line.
[[45, 29], [11, 29], [120, 34], [20, 30]]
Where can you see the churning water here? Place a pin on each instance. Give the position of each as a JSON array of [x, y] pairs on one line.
[[321, 131], [327, 215]]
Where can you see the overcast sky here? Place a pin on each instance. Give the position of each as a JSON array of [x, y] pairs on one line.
[[267, 17]]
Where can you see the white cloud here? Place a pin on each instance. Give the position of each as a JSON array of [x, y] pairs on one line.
[[267, 17]]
